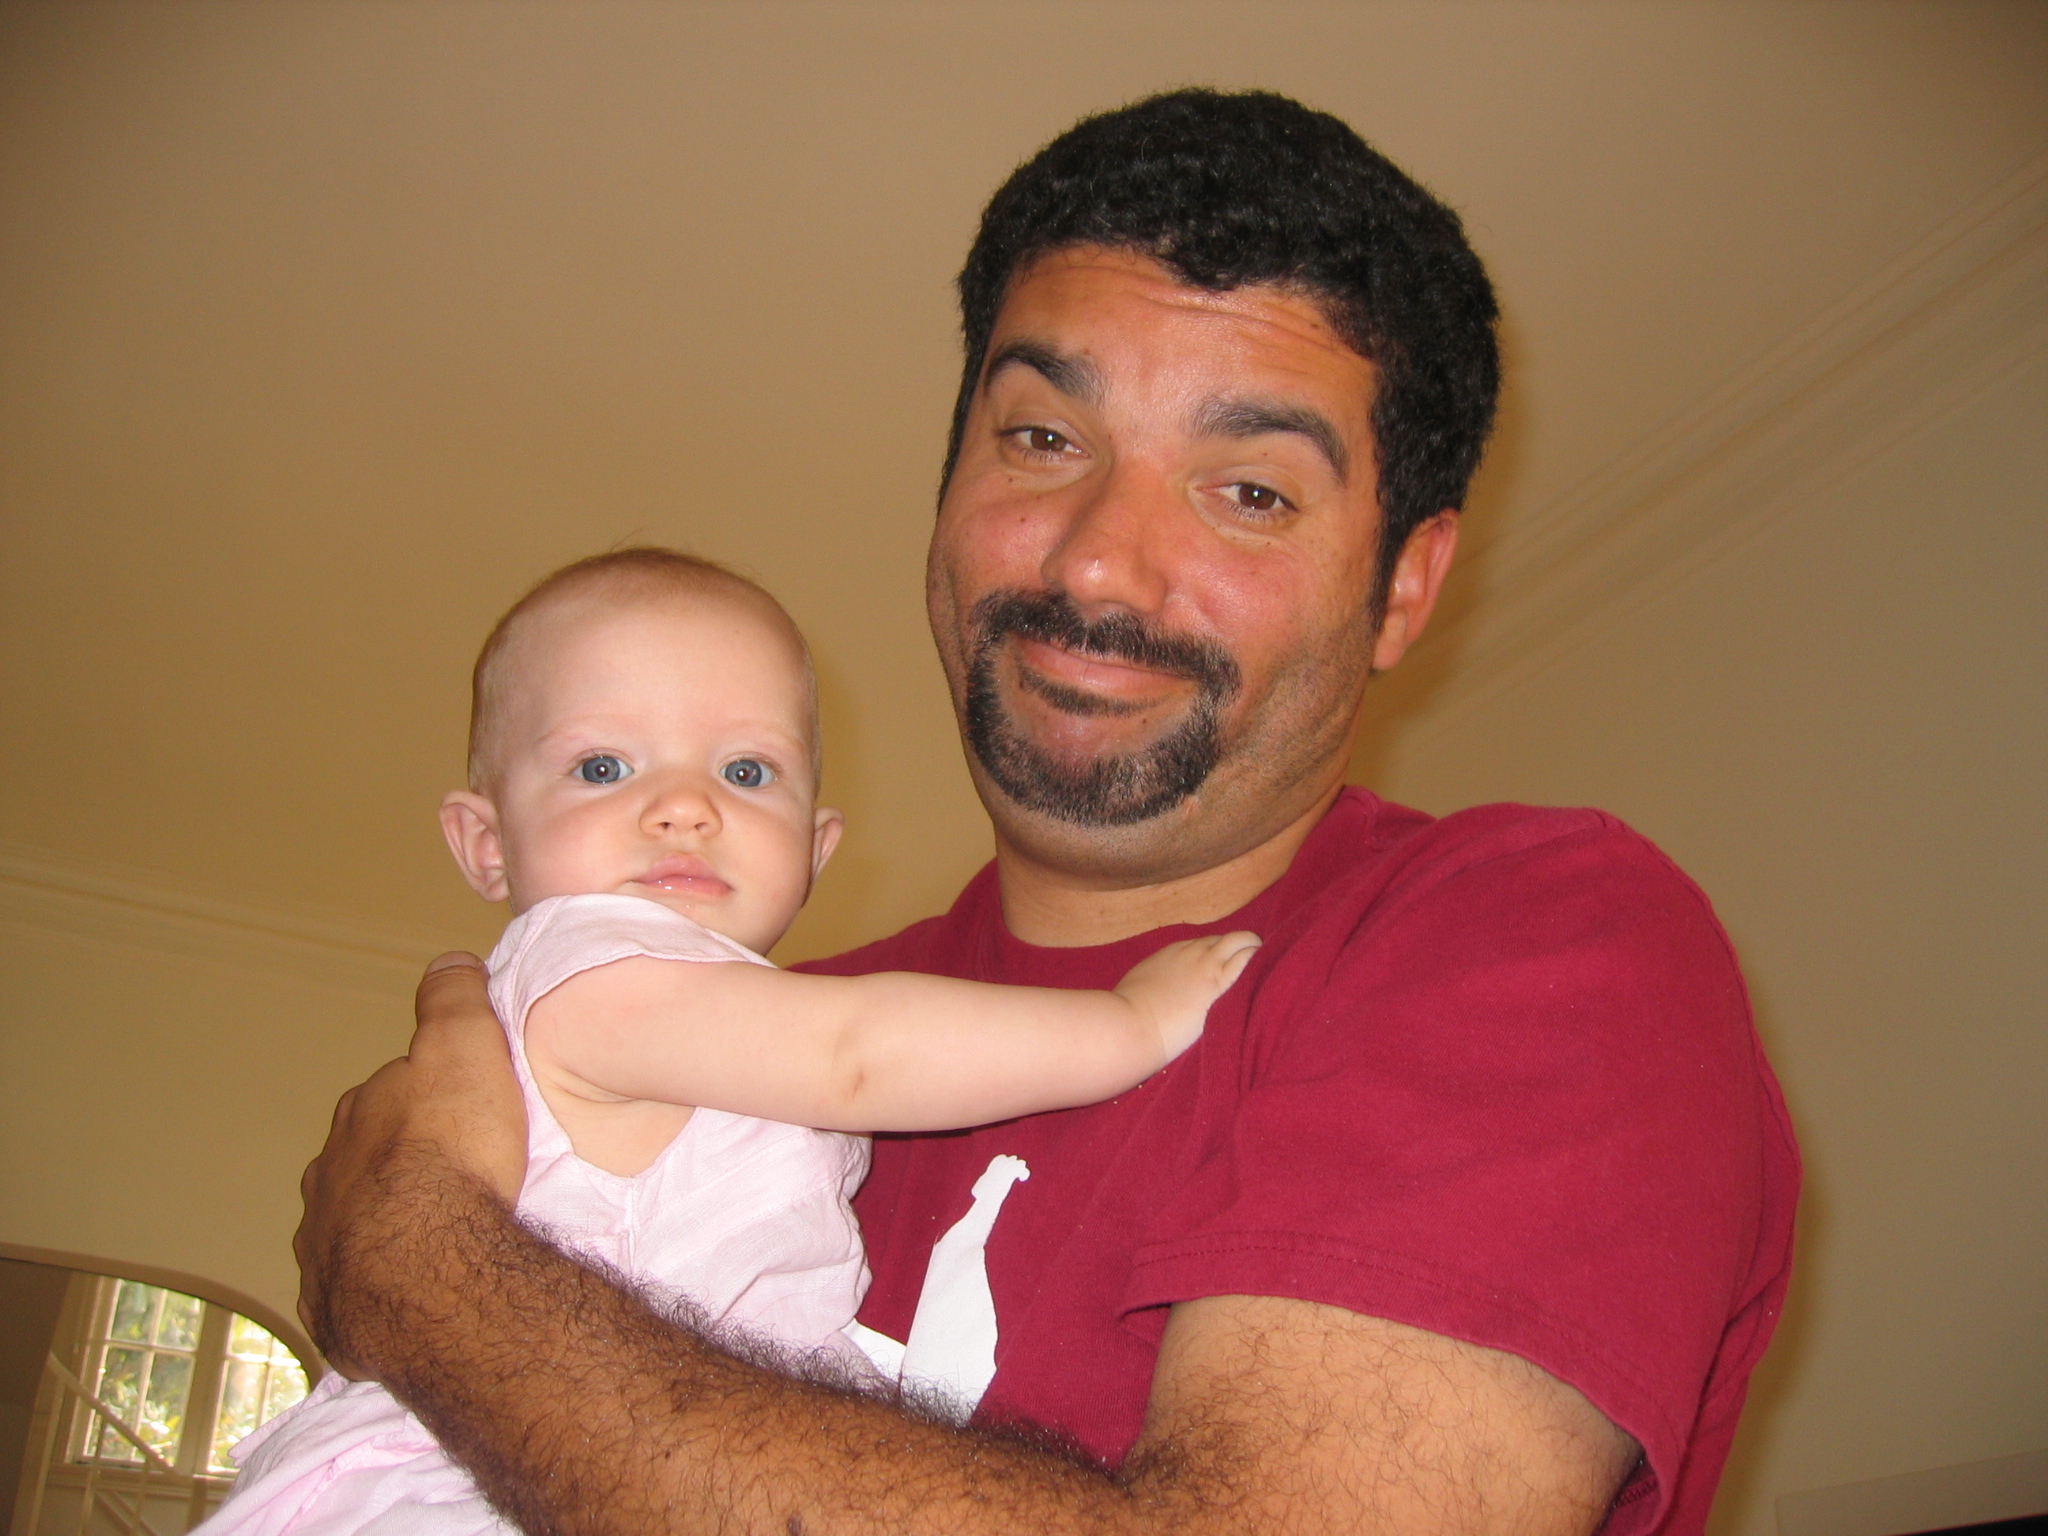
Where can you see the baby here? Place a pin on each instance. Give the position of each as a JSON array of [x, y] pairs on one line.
[[643, 783]]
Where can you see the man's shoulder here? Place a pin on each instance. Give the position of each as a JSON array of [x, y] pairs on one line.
[[1499, 916], [1498, 911], [1389, 853]]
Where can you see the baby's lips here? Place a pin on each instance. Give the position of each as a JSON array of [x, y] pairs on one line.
[[685, 872]]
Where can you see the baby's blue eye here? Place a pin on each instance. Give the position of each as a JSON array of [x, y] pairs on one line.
[[602, 769], [747, 773]]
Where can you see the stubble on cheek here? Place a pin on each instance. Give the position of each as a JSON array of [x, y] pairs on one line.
[[1301, 723]]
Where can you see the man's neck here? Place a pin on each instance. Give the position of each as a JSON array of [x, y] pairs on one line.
[[1058, 909]]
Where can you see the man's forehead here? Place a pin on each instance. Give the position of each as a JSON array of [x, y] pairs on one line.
[[1092, 311], [1073, 281]]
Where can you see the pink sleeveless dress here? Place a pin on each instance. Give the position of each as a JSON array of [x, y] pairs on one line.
[[746, 1220]]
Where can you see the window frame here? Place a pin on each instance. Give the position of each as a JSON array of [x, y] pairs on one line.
[[132, 1491], [210, 1357]]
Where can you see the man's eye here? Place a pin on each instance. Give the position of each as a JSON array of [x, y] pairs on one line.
[[601, 769], [1253, 497], [1041, 439], [747, 773]]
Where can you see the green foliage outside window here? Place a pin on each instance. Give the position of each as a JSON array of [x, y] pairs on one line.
[[151, 1349]]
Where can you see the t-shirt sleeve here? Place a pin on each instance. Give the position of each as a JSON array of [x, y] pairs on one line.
[[566, 935], [1518, 1102]]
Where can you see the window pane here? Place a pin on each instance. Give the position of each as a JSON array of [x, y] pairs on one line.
[[178, 1327], [262, 1379], [241, 1392], [287, 1386], [120, 1387], [131, 1311], [121, 1379], [249, 1341], [112, 1446], [163, 1406]]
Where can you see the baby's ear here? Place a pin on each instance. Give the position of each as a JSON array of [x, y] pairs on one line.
[[826, 826], [470, 823]]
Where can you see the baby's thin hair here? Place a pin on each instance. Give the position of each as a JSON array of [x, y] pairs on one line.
[[620, 574]]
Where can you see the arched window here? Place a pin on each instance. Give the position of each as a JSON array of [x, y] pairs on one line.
[[143, 1392], [190, 1378]]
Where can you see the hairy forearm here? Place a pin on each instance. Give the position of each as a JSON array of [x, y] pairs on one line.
[[580, 1409]]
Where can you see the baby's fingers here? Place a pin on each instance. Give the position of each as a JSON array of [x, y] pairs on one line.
[[1233, 952]]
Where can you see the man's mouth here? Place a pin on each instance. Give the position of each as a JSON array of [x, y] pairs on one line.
[[1117, 663], [1080, 668], [1085, 684], [684, 874]]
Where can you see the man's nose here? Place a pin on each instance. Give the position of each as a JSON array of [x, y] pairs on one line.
[[1116, 550], [681, 803]]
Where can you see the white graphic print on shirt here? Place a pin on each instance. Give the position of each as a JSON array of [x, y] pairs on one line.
[[952, 1344]]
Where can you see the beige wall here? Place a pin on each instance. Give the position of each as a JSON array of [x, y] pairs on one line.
[[325, 327]]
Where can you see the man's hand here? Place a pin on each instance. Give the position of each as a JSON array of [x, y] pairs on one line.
[[449, 1108]]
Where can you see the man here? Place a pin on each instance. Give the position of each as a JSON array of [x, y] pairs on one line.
[[1471, 1210]]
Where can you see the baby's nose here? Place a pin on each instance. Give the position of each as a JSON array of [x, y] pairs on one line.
[[684, 806]]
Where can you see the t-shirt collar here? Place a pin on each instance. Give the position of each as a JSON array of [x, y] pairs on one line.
[[1004, 957]]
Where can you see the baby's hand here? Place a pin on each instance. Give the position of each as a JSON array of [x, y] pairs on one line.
[[1174, 988]]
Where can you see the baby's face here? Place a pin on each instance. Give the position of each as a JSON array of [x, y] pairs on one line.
[[657, 747]]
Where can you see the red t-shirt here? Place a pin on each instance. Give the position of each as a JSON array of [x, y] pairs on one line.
[[1491, 1075]]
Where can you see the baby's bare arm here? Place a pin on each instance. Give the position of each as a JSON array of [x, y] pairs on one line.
[[889, 1052]]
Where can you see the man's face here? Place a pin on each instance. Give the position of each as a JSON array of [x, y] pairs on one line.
[[1151, 577]]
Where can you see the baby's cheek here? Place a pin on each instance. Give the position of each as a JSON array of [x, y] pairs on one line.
[[562, 859], [782, 878]]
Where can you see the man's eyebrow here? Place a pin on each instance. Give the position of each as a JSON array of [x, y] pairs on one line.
[[1256, 417], [1074, 377]]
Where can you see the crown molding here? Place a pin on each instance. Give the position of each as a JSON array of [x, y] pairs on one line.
[[103, 905], [1956, 315]]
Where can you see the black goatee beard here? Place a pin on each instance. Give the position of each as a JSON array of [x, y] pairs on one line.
[[1112, 791]]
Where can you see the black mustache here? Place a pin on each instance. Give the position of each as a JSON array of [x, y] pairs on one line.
[[1051, 617]]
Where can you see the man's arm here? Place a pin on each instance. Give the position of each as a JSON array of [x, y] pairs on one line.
[[581, 1410]]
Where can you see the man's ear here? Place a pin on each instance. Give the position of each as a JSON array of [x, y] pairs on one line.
[[470, 823], [1419, 572], [826, 827]]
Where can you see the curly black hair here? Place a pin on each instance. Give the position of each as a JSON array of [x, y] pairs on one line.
[[1226, 189]]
